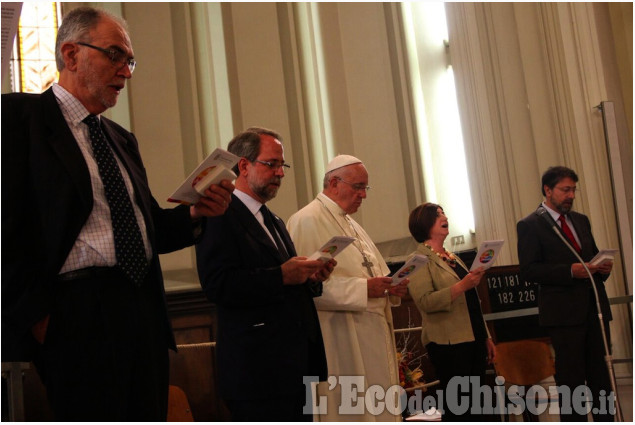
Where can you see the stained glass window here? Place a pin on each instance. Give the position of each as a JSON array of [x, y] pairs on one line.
[[33, 62]]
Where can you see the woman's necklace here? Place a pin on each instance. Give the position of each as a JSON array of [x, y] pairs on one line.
[[448, 257], [367, 263]]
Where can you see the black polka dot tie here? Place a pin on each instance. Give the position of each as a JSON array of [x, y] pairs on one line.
[[129, 248]]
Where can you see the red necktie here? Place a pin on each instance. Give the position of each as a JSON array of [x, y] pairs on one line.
[[567, 231]]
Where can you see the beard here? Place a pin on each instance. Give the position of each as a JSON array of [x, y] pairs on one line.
[[97, 89], [266, 191], [563, 207]]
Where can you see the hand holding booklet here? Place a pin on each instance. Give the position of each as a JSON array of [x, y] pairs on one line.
[[486, 254], [605, 255], [330, 249], [216, 167], [411, 266]]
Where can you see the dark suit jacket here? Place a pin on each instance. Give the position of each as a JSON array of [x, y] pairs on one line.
[[47, 197], [268, 333], [544, 258]]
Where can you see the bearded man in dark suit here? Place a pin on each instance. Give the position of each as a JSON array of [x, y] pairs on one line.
[[82, 290], [269, 336], [566, 302]]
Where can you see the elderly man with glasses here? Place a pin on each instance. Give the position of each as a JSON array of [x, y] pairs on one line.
[[355, 307], [82, 290]]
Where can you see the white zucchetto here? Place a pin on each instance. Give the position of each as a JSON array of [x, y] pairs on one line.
[[341, 161]]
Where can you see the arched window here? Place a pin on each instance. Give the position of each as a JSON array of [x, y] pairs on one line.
[[33, 67]]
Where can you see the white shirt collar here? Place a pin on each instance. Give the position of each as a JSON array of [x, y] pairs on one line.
[[71, 107], [251, 204], [554, 214], [331, 204]]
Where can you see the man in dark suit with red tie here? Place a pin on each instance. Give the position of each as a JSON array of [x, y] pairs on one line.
[[82, 290], [566, 302], [269, 336]]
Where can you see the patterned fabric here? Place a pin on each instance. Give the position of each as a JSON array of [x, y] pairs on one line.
[[129, 246], [567, 231], [95, 245]]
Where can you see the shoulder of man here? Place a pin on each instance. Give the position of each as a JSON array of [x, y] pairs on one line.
[[17, 102], [579, 218], [532, 217], [578, 215], [114, 126], [307, 211]]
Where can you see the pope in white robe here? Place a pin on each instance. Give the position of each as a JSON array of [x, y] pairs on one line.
[[355, 307]]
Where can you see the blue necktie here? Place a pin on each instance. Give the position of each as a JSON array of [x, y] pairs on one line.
[[129, 248]]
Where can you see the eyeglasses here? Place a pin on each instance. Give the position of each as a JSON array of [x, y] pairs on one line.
[[357, 186], [274, 165], [117, 57], [567, 189]]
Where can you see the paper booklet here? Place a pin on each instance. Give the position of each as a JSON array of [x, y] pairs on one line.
[[333, 247], [603, 256], [409, 268], [487, 254], [216, 167]]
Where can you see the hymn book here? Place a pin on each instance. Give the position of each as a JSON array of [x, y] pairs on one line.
[[487, 254], [216, 167], [411, 266], [333, 247], [605, 255]]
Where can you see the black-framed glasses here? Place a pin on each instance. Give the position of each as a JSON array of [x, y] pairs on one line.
[[117, 57], [357, 186], [274, 165]]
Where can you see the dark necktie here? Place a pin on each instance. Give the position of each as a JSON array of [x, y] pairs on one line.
[[567, 231], [129, 248], [268, 218]]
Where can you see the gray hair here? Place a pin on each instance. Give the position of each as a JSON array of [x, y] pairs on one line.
[[327, 178], [76, 26], [247, 144], [339, 173]]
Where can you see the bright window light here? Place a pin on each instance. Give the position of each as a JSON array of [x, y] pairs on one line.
[[437, 115]]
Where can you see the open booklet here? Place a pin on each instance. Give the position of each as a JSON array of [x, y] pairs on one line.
[[216, 167], [409, 268], [333, 247], [603, 256], [487, 254]]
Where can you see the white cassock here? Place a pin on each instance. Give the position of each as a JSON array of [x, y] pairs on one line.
[[357, 330]]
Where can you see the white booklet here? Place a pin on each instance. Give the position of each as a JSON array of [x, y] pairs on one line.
[[603, 256], [330, 249], [216, 167], [411, 266], [487, 254], [430, 415]]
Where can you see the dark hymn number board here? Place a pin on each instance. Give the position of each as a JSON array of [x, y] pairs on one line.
[[501, 290], [507, 291]]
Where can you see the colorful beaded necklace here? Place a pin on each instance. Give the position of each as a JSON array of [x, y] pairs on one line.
[[449, 258]]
